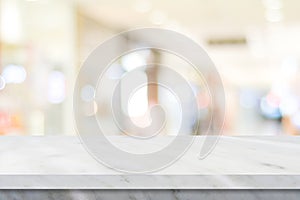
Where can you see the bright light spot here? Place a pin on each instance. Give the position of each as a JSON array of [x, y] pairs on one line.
[[142, 6], [132, 61], [2, 83], [138, 107], [10, 21], [138, 102], [56, 87], [158, 17], [274, 15], [14, 74], [88, 93], [273, 4]]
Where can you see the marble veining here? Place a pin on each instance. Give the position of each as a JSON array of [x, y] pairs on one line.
[[236, 162], [150, 194]]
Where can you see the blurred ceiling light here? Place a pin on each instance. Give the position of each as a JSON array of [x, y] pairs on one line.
[[87, 93], [56, 87], [14, 74], [158, 17], [143, 6], [2, 83], [273, 4], [10, 21], [273, 15], [133, 60]]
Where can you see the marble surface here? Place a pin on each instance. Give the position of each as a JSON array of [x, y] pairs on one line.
[[150, 194], [236, 162]]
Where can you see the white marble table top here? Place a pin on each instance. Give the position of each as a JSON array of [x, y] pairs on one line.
[[236, 162]]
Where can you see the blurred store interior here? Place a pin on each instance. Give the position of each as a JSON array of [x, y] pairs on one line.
[[255, 45]]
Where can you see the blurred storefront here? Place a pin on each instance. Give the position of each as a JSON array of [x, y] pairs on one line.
[[253, 44]]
